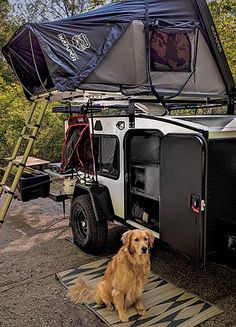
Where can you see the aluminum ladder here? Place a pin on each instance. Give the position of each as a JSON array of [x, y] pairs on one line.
[[29, 137]]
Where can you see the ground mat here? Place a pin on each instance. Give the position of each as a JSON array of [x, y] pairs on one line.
[[166, 304]]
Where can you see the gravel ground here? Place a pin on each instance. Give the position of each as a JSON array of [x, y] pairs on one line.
[[34, 246]]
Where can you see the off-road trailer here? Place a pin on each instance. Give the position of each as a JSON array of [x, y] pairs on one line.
[[174, 175], [162, 173]]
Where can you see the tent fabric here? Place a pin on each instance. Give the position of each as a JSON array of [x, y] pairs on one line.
[[105, 50], [127, 66]]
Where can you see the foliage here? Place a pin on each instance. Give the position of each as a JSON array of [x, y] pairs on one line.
[[38, 10], [11, 114], [7, 26], [224, 14], [14, 109], [50, 139]]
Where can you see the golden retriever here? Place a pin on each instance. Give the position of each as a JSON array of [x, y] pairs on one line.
[[125, 276]]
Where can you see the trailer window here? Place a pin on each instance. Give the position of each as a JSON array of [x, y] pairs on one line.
[[170, 51], [106, 152]]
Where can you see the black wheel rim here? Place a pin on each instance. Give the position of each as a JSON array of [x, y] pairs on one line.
[[81, 223]]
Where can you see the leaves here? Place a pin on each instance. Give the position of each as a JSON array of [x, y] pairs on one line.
[[7, 26], [51, 135], [224, 15], [39, 11], [14, 110]]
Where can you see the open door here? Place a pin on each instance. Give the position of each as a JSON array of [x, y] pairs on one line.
[[182, 195], [142, 178]]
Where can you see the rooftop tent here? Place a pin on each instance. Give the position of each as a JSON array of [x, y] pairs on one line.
[[125, 46]]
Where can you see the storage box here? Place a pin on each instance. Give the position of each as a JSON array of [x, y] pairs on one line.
[[32, 185]]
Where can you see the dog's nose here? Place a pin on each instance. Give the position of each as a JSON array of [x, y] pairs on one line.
[[144, 249]]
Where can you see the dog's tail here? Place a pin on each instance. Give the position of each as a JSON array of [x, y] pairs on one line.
[[81, 293]]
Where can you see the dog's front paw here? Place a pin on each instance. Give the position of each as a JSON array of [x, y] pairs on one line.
[[141, 311], [123, 317], [110, 307]]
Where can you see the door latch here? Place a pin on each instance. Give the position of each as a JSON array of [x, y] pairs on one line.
[[195, 204]]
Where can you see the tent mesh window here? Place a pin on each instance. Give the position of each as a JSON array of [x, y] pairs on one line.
[[170, 51], [106, 149]]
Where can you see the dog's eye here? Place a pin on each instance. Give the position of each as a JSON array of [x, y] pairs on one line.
[[145, 238], [136, 239]]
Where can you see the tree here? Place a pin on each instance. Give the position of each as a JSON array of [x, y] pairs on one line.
[[14, 109], [38, 10], [12, 115], [224, 14], [7, 27]]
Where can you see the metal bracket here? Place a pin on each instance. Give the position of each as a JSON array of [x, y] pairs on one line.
[[131, 111]]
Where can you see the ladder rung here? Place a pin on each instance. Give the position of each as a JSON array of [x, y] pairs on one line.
[[28, 137], [18, 164], [7, 189], [32, 125]]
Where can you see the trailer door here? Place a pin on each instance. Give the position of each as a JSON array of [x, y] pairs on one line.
[[182, 184]]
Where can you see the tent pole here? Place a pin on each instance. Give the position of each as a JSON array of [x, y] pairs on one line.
[[36, 68]]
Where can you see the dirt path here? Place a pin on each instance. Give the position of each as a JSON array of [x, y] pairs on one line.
[[34, 246]]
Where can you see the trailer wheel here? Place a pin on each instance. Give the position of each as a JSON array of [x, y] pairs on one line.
[[90, 235]]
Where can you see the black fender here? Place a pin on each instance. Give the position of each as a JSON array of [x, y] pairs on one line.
[[100, 199]]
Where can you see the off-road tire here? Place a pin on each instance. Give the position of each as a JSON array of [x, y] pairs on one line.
[[90, 235]]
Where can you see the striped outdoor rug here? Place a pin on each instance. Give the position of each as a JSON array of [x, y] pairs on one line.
[[166, 304]]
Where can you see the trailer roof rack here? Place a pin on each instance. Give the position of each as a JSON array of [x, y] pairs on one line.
[[78, 101]]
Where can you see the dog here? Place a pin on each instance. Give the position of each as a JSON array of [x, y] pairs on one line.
[[125, 277]]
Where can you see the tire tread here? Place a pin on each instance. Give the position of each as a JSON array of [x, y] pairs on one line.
[[97, 237]]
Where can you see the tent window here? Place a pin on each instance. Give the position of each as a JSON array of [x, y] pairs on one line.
[[170, 51], [106, 152]]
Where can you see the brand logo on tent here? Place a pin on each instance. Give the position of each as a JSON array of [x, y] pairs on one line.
[[216, 38], [67, 46], [80, 42]]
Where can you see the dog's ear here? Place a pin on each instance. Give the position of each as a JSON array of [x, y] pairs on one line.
[[126, 238], [151, 238]]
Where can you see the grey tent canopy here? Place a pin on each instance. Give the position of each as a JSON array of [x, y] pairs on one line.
[[133, 47]]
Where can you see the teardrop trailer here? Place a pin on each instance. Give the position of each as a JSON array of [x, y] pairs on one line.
[[174, 175], [170, 174]]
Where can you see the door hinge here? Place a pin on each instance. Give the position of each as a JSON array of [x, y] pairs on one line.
[[203, 205]]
